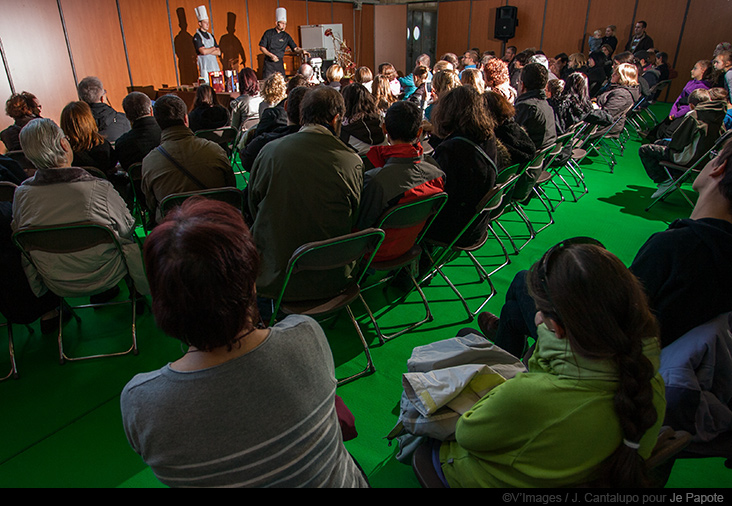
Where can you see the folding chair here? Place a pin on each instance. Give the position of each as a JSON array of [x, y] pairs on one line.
[[71, 239], [561, 161], [421, 212], [597, 141], [490, 203], [689, 173], [333, 254], [134, 172], [94, 171], [522, 191], [7, 191], [20, 157], [227, 194], [224, 137]]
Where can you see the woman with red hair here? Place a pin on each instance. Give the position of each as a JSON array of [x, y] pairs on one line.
[[496, 77]]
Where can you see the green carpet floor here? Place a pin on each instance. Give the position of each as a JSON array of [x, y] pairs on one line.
[[61, 425]]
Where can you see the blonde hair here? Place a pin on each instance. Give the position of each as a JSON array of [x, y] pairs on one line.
[[443, 65], [444, 80], [474, 78], [627, 74], [334, 73], [577, 60], [275, 89]]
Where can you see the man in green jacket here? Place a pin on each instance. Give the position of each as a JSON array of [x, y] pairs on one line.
[[304, 187]]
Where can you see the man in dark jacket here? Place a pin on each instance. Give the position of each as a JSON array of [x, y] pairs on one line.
[[111, 124], [639, 39], [533, 112], [131, 147]]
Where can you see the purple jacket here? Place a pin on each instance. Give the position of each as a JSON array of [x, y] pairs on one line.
[[681, 106]]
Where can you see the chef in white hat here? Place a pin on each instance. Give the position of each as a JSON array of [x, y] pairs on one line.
[[206, 47], [275, 42]]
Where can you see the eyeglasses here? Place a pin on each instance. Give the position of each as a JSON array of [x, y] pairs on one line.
[[551, 255]]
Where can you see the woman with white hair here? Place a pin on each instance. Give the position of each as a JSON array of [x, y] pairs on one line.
[[623, 92]]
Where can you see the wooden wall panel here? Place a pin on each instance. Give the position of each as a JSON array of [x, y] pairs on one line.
[[319, 13], [365, 42], [38, 60], [297, 15], [531, 19], [229, 18], [390, 32], [147, 33], [452, 33], [664, 25], [105, 60], [564, 25], [261, 18], [483, 24]]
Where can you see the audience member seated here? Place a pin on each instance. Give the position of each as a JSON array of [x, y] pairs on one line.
[[21, 108], [573, 104], [516, 68], [90, 148], [58, 194], [409, 84], [469, 60], [419, 96], [577, 62], [292, 107], [685, 270], [543, 60], [308, 72], [382, 93], [595, 72], [695, 135], [333, 76], [533, 112], [622, 93], [442, 82], [110, 123], [648, 71], [514, 144], [274, 92], [553, 89], [467, 155], [317, 201], [233, 411], [473, 77], [509, 54], [401, 173], [18, 303], [701, 78], [496, 77], [245, 109], [639, 39], [182, 162], [387, 70], [610, 39], [361, 127], [133, 146], [664, 72], [594, 41], [364, 77], [722, 95], [590, 407], [723, 66], [272, 113], [207, 113]]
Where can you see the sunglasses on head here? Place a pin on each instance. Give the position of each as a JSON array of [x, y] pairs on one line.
[[553, 252]]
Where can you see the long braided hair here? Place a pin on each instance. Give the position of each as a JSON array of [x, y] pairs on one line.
[[605, 315]]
